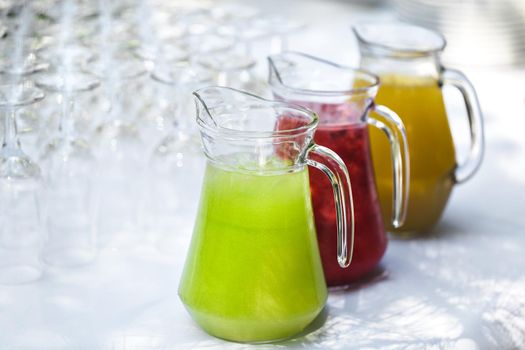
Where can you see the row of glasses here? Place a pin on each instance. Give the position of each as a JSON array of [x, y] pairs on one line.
[[21, 219], [26, 217], [21, 232], [120, 148], [60, 229], [68, 166], [104, 154]]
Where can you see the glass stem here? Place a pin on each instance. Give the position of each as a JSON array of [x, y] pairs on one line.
[[66, 126], [10, 131]]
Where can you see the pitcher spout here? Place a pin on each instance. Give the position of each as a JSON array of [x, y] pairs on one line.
[[248, 131], [202, 113], [302, 74]]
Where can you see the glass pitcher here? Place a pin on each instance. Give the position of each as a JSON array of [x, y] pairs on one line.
[[253, 271], [343, 97], [407, 59]]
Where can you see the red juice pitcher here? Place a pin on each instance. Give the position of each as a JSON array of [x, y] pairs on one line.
[[343, 98]]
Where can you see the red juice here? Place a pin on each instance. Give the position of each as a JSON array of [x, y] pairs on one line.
[[343, 130], [351, 143]]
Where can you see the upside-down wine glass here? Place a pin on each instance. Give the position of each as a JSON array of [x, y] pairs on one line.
[[69, 176], [21, 231]]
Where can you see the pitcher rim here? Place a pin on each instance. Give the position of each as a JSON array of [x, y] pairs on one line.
[[353, 91], [397, 52], [227, 132]]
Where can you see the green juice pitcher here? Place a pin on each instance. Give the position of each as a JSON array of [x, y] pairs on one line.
[[253, 271]]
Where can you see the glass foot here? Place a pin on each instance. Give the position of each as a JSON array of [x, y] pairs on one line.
[[15, 165]]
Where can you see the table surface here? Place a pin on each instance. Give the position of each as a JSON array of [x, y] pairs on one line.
[[463, 287]]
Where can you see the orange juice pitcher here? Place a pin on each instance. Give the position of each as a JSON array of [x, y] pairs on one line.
[[407, 60]]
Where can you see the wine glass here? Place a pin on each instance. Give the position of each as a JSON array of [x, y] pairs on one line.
[[121, 152], [62, 60], [15, 164], [69, 167], [21, 231], [176, 163]]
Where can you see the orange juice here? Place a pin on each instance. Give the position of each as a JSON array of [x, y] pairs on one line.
[[419, 103]]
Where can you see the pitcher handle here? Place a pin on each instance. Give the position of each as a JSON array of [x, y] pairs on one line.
[[333, 167], [458, 80], [400, 161]]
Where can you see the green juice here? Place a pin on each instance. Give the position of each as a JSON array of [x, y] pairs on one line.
[[253, 271]]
